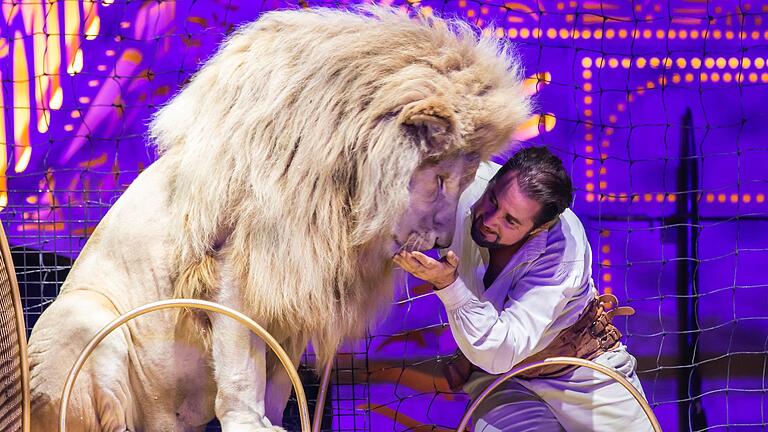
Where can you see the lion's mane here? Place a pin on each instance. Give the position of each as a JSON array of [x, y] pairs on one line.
[[291, 147]]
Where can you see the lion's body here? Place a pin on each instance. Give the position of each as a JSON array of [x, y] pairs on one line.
[[288, 169]]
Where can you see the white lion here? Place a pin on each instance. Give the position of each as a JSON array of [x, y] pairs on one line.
[[295, 163]]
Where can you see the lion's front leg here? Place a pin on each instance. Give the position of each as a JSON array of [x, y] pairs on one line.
[[239, 360]]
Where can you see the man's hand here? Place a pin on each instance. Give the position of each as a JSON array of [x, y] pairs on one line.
[[439, 273]]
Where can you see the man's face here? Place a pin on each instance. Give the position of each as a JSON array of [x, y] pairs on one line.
[[504, 215]]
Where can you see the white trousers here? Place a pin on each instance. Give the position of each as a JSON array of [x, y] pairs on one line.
[[583, 400]]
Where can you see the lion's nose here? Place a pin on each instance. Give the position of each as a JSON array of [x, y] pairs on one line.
[[444, 240]]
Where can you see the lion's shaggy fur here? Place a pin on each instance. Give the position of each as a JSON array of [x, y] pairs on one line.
[[291, 155]]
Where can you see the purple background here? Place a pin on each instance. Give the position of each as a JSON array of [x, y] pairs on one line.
[[618, 78]]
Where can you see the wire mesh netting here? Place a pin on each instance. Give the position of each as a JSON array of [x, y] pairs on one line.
[[656, 107]]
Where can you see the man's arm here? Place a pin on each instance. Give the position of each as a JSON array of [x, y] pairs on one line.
[[495, 341]]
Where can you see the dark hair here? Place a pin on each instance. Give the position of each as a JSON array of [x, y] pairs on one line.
[[541, 177]]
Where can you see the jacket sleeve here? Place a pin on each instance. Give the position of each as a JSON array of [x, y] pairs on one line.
[[495, 341]]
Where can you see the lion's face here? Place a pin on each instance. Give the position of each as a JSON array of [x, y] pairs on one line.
[[434, 191]]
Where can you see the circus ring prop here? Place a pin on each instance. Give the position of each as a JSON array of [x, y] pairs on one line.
[[194, 304], [616, 376]]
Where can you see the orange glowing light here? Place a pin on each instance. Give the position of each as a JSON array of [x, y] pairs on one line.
[[696, 63], [93, 29], [77, 63]]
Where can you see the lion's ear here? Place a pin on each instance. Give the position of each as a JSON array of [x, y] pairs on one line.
[[431, 119]]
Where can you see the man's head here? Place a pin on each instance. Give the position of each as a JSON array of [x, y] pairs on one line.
[[529, 190]]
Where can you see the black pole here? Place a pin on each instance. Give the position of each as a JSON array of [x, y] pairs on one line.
[[691, 410]]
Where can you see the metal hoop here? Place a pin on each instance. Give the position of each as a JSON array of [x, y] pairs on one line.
[[195, 304], [574, 361], [317, 420]]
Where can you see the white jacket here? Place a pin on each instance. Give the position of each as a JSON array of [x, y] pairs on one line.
[[541, 291]]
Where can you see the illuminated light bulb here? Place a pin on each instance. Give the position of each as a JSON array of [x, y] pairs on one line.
[[551, 33], [694, 34], [524, 33], [77, 63], [56, 99], [622, 34], [746, 63], [683, 34], [23, 161], [610, 33], [759, 63], [626, 62], [586, 62], [715, 77], [613, 63], [646, 34], [689, 77], [564, 34], [599, 62], [654, 62], [44, 121], [640, 62], [696, 63], [512, 33], [547, 121], [709, 62], [752, 77], [733, 62], [720, 62], [747, 198], [680, 62], [93, 29]]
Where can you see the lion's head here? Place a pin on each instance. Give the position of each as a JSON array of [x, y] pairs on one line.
[[316, 143]]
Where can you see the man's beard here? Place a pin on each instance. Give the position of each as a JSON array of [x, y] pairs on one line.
[[479, 238]]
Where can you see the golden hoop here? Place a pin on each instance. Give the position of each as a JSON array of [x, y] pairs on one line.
[[195, 304], [317, 420], [564, 361]]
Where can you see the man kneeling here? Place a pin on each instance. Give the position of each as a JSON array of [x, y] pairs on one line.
[[520, 291]]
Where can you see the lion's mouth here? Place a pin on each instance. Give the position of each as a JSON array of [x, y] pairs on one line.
[[416, 241]]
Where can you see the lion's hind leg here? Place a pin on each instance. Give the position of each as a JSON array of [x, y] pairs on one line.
[[101, 398]]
